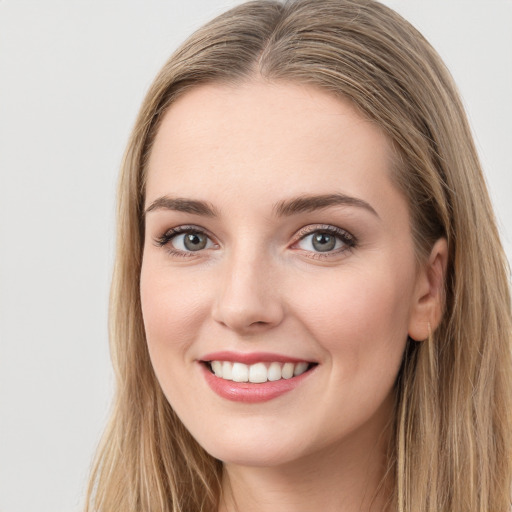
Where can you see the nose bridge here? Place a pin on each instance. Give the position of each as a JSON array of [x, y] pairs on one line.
[[248, 298]]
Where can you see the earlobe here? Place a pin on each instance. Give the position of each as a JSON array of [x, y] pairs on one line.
[[429, 299]]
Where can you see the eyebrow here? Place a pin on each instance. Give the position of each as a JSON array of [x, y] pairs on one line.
[[285, 208], [182, 205], [303, 204]]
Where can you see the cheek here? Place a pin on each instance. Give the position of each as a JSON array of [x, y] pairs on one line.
[[171, 309], [363, 324]]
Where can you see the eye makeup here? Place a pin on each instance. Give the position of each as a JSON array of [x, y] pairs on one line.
[[324, 239], [185, 241], [317, 241]]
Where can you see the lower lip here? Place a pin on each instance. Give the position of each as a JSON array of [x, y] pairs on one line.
[[252, 393]]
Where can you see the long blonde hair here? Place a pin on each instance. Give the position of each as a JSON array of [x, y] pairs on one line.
[[451, 448]]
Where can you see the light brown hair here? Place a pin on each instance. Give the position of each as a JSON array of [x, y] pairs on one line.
[[452, 442]]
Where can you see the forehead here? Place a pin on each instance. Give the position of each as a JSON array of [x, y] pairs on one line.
[[268, 139]]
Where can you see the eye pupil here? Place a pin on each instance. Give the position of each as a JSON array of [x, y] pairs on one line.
[[324, 242], [195, 241]]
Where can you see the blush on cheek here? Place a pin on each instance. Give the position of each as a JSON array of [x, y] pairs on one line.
[[173, 311], [366, 319], [161, 329]]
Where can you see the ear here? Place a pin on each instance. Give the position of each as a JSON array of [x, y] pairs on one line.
[[428, 302]]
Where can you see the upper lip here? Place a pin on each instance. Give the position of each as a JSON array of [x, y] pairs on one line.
[[252, 357]]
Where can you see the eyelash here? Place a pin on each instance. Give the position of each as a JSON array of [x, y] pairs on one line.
[[166, 239], [348, 240]]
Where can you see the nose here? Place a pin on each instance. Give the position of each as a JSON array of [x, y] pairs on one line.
[[248, 299]]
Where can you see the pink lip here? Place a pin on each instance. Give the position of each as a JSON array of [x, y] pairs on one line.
[[251, 358], [249, 392]]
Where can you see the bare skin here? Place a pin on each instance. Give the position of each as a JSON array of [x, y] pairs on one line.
[[247, 253], [356, 484]]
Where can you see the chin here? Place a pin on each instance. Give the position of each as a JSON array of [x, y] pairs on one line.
[[253, 456], [257, 449]]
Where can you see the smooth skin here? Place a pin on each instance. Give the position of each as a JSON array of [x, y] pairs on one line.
[[338, 285]]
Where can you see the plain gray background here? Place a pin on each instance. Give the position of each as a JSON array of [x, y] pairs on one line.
[[72, 76]]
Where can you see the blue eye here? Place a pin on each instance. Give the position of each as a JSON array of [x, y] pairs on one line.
[[325, 240]]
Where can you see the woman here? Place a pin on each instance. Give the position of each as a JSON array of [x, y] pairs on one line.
[[310, 308]]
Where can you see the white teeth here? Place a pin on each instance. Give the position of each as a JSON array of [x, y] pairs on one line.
[[257, 373], [217, 368], [300, 368], [227, 370], [240, 372], [274, 372], [287, 370]]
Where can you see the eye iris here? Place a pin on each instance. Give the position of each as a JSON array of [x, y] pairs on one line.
[[195, 241], [324, 242]]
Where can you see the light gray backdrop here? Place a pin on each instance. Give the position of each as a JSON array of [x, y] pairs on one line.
[[72, 76]]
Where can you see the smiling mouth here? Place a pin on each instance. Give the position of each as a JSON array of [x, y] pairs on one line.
[[257, 373]]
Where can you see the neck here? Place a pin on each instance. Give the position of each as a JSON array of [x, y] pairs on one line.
[[350, 477]]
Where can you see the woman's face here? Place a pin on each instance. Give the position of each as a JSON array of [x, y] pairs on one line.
[[276, 243]]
